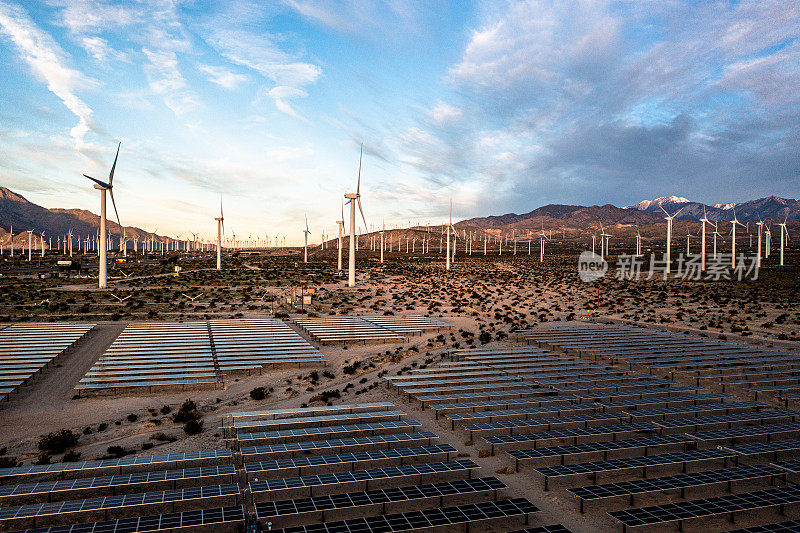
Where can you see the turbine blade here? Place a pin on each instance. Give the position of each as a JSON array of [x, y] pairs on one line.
[[362, 212], [358, 184], [111, 192], [114, 166], [102, 184]]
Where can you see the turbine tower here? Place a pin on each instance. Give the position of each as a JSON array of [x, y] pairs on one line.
[[703, 221], [669, 218], [784, 236], [733, 239], [352, 198], [305, 242], [103, 187], [340, 225], [220, 231], [760, 225], [449, 227]]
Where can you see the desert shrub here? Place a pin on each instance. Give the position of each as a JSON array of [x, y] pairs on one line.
[[193, 427], [259, 393], [71, 456], [187, 413], [58, 441]]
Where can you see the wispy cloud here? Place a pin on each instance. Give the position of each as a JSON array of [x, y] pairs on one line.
[[166, 79], [222, 76], [48, 62], [261, 53]]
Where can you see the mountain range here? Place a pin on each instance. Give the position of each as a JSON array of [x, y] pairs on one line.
[[23, 215], [642, 214]]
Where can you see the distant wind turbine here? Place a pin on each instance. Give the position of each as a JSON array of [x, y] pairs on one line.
[[305, 242], [784, 236], [669, 219], [220, 232]]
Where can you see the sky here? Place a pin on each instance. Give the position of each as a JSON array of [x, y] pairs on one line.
[[499, 106]]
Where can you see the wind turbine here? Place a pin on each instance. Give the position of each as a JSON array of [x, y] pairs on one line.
[[542, 237], [384, 231], [11, 240], [103, 187], [305, 242], [760, 225], [41, 236], [638, 242], [220, 231], [734, 222], [703, 222], [669, 237], [340, 225], [449, 228], [352, 198], [784, 236]]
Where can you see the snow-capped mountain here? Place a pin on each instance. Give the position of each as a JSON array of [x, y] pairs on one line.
[[769, 208]]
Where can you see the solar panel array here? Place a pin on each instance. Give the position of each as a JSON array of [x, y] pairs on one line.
[[368, 329], [596, 416], [712, 429], [386, 481], [331, 476], [191, 489], [256, 343], [153, 357], [26, 350]]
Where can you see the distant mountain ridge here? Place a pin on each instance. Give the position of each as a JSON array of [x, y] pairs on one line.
[[643, 213], [23, 215]]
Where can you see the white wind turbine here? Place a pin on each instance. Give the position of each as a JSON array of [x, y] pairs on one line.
[[638, 242], [669, 219], [11, 240], [760, 225], [340, 225], [542, 237], [30, 244], [703, 222], [382, 233], [103, 187], [305, 242], [734, 222], [41, 236], [220, 232], [352, 198], [784, 236], [449, 229]]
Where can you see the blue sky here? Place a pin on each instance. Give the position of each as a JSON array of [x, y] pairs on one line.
[[504, 106]]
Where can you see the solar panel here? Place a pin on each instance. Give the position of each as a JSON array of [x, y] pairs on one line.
[[426, 518], [327, 430], [679, 481], [593, 447], [379, 496], [769, 430], [766, 447], [124, 464], [547, 423], [790, 526], [504, 440], [124, 500], [631, 462], [274, 467], [360, 475], [308, 446], [106, 482], [554, 528], [726, 419], [142, 524], [318, 419], [729, 503]]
